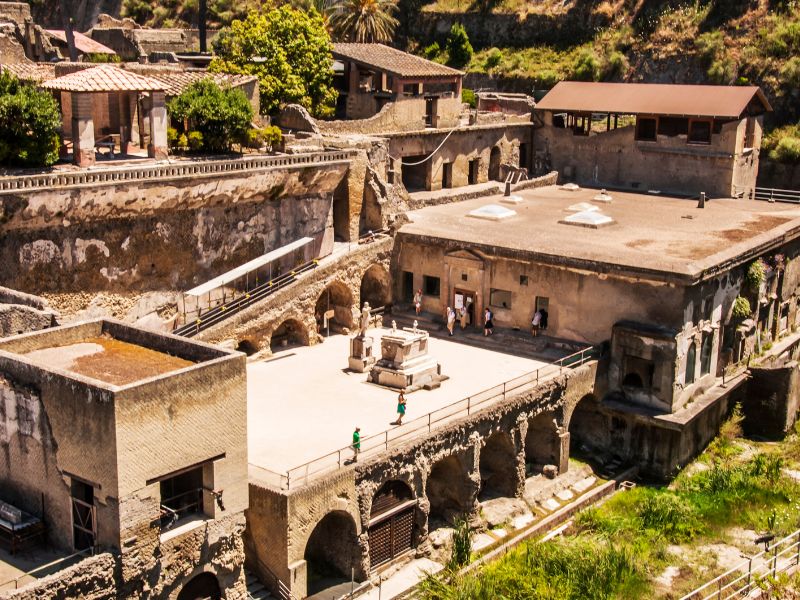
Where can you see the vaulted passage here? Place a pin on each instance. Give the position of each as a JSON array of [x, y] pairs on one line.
[[450, 491], [391, 522], [203, 587], [498, 467], [375, 287], [589, 436], [289, 333], [332, 551], [334, 309], [542, 444]]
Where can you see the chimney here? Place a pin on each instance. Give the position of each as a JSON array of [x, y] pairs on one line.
[[702, 202], [201, 24]]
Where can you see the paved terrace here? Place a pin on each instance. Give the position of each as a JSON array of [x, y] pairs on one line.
[[302, 403], [661, 236]]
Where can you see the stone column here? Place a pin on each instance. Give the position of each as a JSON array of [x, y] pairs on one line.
[[157, 148], [563, 452], [124, 122], [82, 130]]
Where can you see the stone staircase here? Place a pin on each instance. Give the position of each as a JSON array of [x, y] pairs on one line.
[[256, 589]]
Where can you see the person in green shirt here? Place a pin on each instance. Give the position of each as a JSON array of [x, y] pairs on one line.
[[356, 443]]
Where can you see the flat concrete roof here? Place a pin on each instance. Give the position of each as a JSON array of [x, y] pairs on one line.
[[302, 403], [654, 236]]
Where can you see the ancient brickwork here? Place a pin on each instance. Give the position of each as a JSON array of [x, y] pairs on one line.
[[90, 579]]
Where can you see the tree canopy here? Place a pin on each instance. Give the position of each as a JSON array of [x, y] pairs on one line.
[[364, 21], [289, 50], [222, 116], [29, 124]]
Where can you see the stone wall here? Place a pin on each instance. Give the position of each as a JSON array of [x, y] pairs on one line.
[[405, 114], [90, 579], [772, 400], [160, 234], [21, 313], [782, 176]]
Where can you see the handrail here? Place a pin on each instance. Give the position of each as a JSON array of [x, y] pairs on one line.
[[284, 593], [746, 574], [300, 475], [174, 170], [768, 194], [58, 561]]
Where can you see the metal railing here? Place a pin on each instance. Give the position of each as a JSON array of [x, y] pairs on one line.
[[176, 170], [179, 506], [770, 194], [282, 590], [374, 444], [49, 568], [738, 582]]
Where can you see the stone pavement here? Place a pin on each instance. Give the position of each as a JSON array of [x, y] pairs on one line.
[[303, 402], [403, 579]]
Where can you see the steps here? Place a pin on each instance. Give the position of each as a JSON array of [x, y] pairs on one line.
[[255, 589]]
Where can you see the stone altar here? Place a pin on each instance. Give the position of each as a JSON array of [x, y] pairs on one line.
[[361, 356], [405, 364]]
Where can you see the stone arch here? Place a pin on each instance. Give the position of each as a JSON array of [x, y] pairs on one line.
[[450, 491], [392, 522], [495, 160], [291, 332], [331, 551], [588, 430], [247, 346], [542, 442], [375, 287], [204, 586], [498, 466], [338, 298]]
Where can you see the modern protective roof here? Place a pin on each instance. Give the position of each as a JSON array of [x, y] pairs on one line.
[[83, 43], [176, 82], [247, 267], [391, 60], [104, 78], [652, 99]]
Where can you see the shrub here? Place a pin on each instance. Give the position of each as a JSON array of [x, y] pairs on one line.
[[546, 79], [468, 97], [172, 137], [29, 124], [462, 544], [670, 515], [433, 51], [710, 46], [195, 141], [741, 308], [722, 70], [616, 65], [790, 73], [182, 143], [493, 58], [269, 136], [787, 150], [221, 115], [459, 50], [586, 67], [756, 273]]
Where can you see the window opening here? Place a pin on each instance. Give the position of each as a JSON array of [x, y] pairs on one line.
[[431, 286], [84, 525], [646, 128], [181, 496]]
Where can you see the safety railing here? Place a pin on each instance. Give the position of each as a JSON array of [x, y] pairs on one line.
[[374, 444], [176, 170], [769, 194], [181, 505], [46, 569], [275, 584], [738, 582]]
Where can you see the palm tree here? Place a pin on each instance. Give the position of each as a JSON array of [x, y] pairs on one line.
[[364, 21]]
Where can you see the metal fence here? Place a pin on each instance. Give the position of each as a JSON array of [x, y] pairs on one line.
[[780, 557], [770, 194], [371, 445]]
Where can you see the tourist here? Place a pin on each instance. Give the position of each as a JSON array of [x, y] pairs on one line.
[[451, 320], [356, 443], [543, 322], [418, 301], [488, 325], [462, 316], [536, 322], [401, 408]]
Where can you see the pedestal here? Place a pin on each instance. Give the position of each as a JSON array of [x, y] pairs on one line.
[[361, 357], [405, 364]]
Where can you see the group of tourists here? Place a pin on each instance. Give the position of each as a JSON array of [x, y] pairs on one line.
[[401, 412], [539, 321]]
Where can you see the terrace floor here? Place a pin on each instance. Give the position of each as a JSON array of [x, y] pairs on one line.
[[33, 559], [303, 402]]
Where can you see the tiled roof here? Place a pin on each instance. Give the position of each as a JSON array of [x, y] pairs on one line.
[[104, 78], [33, 72], [83, 43], [652, 99], [175, 83], [391, 60]]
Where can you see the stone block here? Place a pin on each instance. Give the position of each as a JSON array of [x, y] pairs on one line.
[[361, 357], [550, 471]]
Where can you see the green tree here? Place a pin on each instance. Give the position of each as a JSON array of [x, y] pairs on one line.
[[289, 51], [364, 21], [29, 124], [459, 50], [222, 116]]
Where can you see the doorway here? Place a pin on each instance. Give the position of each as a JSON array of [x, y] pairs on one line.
[[466, 298], [84, 524], [431, 108], [472, 174], [447, 175]]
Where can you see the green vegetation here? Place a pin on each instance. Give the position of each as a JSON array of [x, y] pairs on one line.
[[363, 21], [783, 144], [183, 13], [468, 97], [289, 50], [459, 49], [756, 273], [29, 124], [462, 544], [741, 308], [215, 118], [617, 550]]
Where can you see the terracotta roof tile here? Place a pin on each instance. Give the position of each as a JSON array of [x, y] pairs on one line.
[[83, 43], [652, 99], [33, 72], [391, 60], [175, 83], [104, 78]]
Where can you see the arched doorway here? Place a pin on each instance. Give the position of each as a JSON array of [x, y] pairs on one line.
[[588, 430], [375, 287], [542, 444], [498, 467], [391, 522], [450, 492], [288, 334], [336, 301], [331, 552], [494, 164], [202, 587], [691, 359], [249, 347]]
